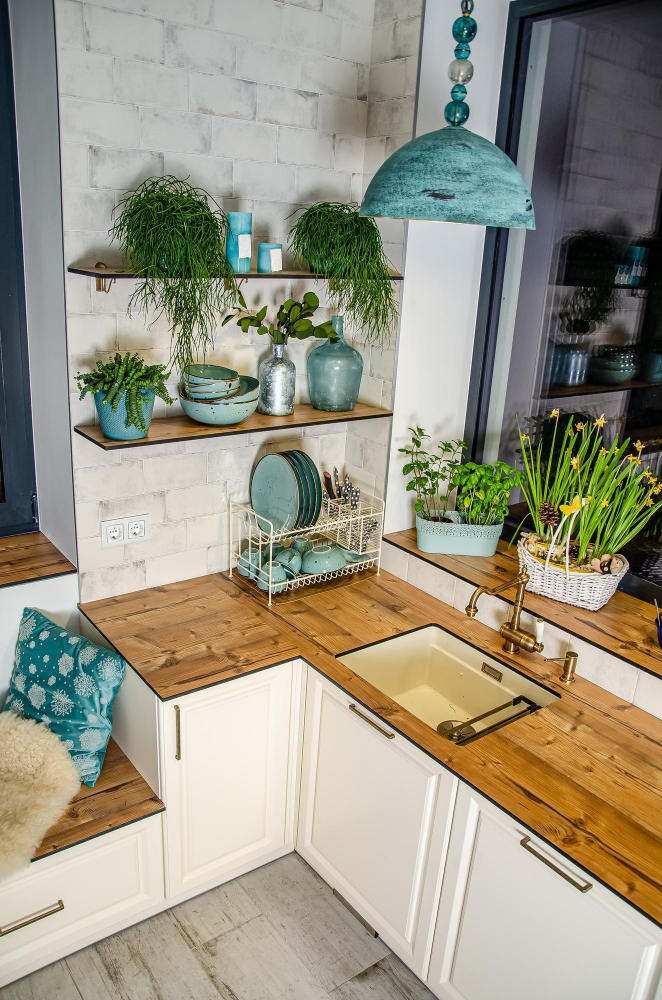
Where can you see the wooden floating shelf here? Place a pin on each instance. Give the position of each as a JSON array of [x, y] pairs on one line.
[[182, 428], [592, 389], [111, 274]]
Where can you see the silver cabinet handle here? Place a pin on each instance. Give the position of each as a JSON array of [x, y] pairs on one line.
[[178, 735], [526, 843], [384, 732], [48, 911]]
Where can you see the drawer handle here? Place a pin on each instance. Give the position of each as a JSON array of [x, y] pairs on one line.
[[48, 911], [384, 732], [525, 842], [178, 735]]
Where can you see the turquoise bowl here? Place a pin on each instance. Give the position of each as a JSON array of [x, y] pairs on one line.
[[279, 577], [221, 412], [301, 545], [248, 563], [323, 558], [113, 424], [204, 375], [291, 560]]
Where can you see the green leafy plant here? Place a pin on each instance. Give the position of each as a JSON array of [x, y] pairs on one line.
[[339, 244], [591, 259], [293, 319], [130, 375], [483, 491], [430, 473], [175, 243], [596, 497]]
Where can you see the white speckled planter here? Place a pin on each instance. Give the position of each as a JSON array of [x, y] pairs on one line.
[[457, 539]]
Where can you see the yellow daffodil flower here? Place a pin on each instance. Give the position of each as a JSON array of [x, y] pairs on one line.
[[525, 437], [554, 413], [574, 461], [658, 489], [604, 503], [573, 508], [649, 502], [638, 445], [600, 422], [580, 427]]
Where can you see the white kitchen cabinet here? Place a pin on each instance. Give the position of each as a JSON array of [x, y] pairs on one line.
[[374, 818], [514, 922], [228, 760]]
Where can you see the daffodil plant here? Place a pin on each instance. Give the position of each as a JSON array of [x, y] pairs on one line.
[[590, 498]]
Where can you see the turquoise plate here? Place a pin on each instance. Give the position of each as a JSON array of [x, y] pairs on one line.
[[316, 487], [275, 492], [303, 488], [306, 486]]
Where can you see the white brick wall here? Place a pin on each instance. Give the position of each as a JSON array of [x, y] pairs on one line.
[[265, 105]]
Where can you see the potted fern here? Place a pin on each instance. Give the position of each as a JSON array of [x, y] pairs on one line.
[[338, 244], [124, 390], [173, 238]]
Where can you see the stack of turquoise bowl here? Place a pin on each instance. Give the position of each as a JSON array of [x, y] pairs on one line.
[[217, 396]]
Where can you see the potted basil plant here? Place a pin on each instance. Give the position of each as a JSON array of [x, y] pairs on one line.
[[124, 390], [482, 500]]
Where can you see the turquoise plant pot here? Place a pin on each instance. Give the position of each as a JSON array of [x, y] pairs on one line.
[[239, 224], [334, 373], [457, 539], [113, 424]]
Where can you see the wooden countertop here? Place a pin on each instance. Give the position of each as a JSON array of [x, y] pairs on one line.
[[30, 557], [120, 796], [624, 627], [584, 774]]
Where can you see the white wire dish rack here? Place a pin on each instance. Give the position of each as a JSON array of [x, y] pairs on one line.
[[254, 541]]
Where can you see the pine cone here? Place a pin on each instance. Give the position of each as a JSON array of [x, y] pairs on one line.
[[548, 514]]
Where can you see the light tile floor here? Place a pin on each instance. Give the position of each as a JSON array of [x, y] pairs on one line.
[[277, 933]]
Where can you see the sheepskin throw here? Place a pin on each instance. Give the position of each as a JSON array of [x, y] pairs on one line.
[[38, 779]]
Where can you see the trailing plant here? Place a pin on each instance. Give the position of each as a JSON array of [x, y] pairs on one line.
[[346, 248], [483, 491], [293, 319], [130, 375], [431, 473], [590, 263], [174, 241], [590, 498]]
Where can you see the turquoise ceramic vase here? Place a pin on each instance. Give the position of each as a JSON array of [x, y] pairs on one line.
[[114, 426], [334, 373], [239, 224]]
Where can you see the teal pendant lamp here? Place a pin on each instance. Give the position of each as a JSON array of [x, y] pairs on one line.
[[452, 175]]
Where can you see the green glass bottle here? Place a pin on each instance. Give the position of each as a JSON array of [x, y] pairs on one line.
[[334, 373]]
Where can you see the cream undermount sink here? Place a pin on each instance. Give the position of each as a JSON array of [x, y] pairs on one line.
[[449, 684]]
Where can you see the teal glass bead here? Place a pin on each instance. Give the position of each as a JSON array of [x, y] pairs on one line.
[[456, 112], [462, 51], [464, 29], [459, 92], [467, 6], [461, 70]]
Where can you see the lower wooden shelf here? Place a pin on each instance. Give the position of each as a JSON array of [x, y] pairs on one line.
[[182, 428]]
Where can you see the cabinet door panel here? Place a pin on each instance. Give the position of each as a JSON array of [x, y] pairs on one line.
[[226, 797], [368, 808], [510, 927]]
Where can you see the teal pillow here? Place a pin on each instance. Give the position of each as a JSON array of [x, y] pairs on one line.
[[66, 681]]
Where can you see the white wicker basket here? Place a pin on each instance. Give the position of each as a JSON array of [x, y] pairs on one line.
[[588, 590]]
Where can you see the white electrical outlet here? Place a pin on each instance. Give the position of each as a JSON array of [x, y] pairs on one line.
[[125, 530]]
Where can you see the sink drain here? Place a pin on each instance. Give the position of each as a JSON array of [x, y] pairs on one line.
[[444, 728]]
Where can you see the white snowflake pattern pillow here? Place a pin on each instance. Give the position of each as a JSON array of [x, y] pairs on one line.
[[67, 682]]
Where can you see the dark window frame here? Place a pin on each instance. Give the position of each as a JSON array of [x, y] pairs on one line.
[[522, 15], [18, 488]]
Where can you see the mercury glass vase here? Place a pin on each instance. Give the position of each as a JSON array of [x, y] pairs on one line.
[[277, 376], [334, 373]]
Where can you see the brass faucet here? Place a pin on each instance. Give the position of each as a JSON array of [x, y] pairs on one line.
[[515, 636], [569, 662]]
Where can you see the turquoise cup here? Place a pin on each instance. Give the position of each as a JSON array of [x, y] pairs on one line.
[[264, 261], [239, 224]]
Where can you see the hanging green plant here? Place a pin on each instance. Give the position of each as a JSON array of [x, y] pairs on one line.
[[174, 241], [346, 248], [590, 260]]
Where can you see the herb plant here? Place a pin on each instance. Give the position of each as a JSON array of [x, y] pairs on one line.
[[597, 496], [293, 319], [130, 375], [175, 243], [431, 473], [339, 244], [483, 491]]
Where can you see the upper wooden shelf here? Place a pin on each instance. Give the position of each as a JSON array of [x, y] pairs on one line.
[[182, 428], [592, 389], [112, 273]]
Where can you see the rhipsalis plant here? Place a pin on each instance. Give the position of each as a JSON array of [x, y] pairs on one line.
[[346, 248], [431, 473], [130, 375], [174, 241], [293, 319]]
